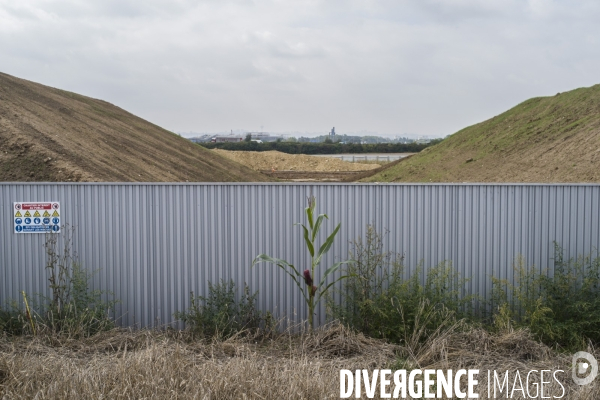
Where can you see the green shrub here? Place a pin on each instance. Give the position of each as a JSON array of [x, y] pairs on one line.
[[377, 301], [221, 315], [12, 321], [562, 309], [73, 309]]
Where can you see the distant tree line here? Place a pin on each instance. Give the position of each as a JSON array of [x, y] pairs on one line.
[[321, 148]]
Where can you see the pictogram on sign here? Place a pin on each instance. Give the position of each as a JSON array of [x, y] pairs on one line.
[[34, 217]]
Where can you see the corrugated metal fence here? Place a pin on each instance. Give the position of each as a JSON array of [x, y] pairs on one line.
[[154, 243]]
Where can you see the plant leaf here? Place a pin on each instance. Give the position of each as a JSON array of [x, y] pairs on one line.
[[332, 269], [318, 225], [309, 244], [327, 245], [283, 264], [324, 291], [309, 215]]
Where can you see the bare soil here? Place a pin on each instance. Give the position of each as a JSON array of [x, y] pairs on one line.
[[47, 134], [306, 176], [298, 167]]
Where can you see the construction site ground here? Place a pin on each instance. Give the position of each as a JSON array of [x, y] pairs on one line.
[[298, 167], [50, 135]]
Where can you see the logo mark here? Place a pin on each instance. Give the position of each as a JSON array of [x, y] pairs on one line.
[[580, 368]]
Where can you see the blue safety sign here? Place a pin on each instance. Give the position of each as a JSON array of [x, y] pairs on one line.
[[36, 217]]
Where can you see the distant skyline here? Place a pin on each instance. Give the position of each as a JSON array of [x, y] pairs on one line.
[[296, 134], [428, 67]]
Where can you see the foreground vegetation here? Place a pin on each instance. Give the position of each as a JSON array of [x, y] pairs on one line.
[[74, 310], [122, 364], [561, 309], [383, 317]]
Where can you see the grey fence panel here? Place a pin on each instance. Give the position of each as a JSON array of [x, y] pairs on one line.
[[153, 244]]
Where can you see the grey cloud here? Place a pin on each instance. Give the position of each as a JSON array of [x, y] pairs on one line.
[[269, 43], [421, 66]]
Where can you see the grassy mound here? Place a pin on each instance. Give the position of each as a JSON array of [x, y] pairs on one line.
[[544, 139]]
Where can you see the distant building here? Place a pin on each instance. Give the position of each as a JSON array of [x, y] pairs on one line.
[[265, 137], [228, 138], [332, 133], [201, 139]]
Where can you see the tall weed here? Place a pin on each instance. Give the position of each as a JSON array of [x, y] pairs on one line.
[[562, 308], [73, 309], [221, 315], [378, 301], [12, 320]]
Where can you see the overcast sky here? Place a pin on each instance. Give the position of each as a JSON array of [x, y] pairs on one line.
[[424, 67]]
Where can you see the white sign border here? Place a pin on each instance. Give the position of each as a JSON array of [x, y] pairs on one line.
[[19, 223]]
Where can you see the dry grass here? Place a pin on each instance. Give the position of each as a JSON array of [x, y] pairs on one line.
[[510, 351], [156, 365], [267, 160]]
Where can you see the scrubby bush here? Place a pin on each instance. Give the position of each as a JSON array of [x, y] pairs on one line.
[[12, 321], [222, 315], [73, 308], [560, 308], [378, 301]]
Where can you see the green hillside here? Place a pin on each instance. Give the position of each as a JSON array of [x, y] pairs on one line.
[[544, 139]]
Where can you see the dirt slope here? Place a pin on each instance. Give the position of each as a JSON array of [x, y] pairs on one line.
[[544, 139], [267, 160], [48, 134]]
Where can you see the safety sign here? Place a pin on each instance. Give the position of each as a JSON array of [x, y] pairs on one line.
[[27, 217]]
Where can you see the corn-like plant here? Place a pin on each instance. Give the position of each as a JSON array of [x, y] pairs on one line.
[[311, 291]]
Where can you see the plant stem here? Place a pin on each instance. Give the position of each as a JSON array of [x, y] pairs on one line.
[[311, 299]]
